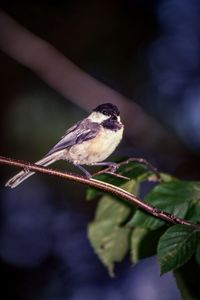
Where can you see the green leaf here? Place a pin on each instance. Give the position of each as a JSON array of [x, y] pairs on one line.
[[137, 237], [108, 236], [131, 186], [194, 213], [109, 241], [110, 208], [167, 177], [174, 197], [176, 246], [144, 243], [134, 170]]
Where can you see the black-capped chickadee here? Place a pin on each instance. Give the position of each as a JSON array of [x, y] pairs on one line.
[[88, 142]]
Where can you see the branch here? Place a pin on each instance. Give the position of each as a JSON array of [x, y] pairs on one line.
[[104, 186]]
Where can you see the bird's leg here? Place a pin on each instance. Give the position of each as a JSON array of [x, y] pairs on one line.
[[87, 174], [112, 166]]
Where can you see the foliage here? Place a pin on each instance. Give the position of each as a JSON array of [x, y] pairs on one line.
[[119, 227]]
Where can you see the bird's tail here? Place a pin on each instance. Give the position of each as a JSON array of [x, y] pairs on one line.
[[23, 175]]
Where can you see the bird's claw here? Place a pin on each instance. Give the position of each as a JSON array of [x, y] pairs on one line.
[[113, 167]]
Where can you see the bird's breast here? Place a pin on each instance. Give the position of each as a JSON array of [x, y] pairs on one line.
[[96, 149]]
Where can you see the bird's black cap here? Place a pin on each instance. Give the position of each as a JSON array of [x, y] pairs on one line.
[[107, 109]]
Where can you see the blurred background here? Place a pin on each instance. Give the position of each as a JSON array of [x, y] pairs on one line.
[[58, 60]]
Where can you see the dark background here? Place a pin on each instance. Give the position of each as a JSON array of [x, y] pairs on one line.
[[148, 51]]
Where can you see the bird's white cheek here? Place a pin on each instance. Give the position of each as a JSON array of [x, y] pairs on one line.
[[97, 117]]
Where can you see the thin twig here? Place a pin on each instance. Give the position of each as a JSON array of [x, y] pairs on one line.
[[106, 171], [104, 186], [144, 162], [132, 159]]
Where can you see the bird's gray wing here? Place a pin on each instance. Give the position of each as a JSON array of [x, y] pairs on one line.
[[82, 131]]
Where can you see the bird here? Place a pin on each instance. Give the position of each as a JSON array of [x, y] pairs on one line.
[[89, 142]]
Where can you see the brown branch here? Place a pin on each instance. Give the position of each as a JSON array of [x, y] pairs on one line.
[[106, 187]]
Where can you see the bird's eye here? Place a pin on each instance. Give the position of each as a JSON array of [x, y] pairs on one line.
[[105, 112], [114, 117]]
